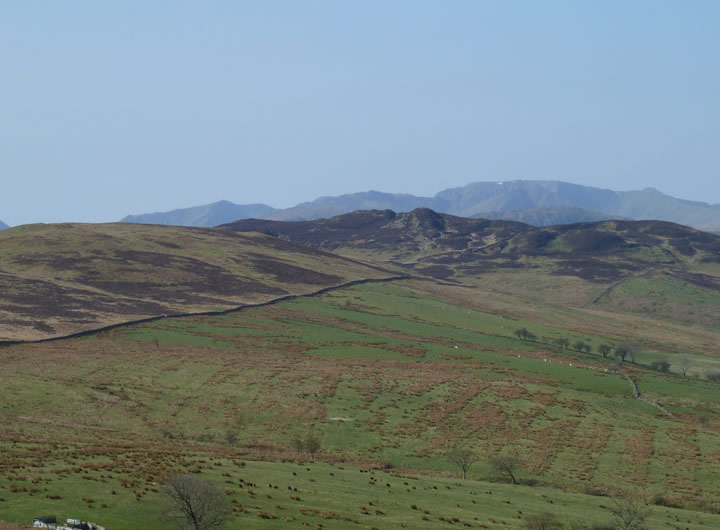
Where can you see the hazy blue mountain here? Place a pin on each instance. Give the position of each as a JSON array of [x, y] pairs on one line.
[[213, 214], [326, 207], [3, 226], [519, 195], [530, 201], [558, 215], [525, 198]]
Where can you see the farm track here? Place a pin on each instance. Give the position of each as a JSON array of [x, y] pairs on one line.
[[274, 301]]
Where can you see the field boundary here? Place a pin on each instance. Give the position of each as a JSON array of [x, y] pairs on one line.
[[638, 395], [243, 307]]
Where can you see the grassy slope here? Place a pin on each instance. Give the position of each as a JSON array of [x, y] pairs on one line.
[[58, 279], [386, 375], [360, 498]]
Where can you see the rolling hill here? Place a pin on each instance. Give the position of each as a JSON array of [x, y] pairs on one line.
[[605, 264], [539, 203], [207, 215], [391, 378], [65, 278], [423, 234]]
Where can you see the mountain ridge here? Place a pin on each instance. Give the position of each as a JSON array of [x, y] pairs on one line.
[[474, 199], [3, 226], [205, 215]]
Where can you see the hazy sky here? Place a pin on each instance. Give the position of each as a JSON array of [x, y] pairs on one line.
[[114, 108]]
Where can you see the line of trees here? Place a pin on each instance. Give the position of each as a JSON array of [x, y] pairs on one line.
[[627, 351]]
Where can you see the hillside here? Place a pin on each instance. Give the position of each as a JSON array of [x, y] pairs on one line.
[[581, 265], [557, 215], [207, 215], [60, 279], [384, 234], [423, 234], [389, 379], [535, 202]]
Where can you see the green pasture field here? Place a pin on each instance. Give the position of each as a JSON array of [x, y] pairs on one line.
[[387, 378], [271, 495]]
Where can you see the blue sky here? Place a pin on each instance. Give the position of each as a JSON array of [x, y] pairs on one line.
[[114, 108]]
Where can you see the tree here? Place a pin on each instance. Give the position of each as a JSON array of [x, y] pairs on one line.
[[463, 458], [521, 333], [197, 504], [542, 521], [231, 437], [685, 364], [624, 350], [604, 350], [633, 355], [312, 444], [506, 465], [582, 346], [298, 444], [628, 514], [563, 342]]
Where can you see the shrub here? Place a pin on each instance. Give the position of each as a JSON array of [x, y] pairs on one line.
[[590, 489], [661, 500], [542, 521], [660, 366]]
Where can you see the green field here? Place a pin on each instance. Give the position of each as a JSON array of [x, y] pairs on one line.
[[273, 495], [390, 379]]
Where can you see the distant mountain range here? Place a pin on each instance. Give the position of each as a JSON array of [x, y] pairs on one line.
[[207, 215], [540, 203], [559, 215], [3, 226]]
